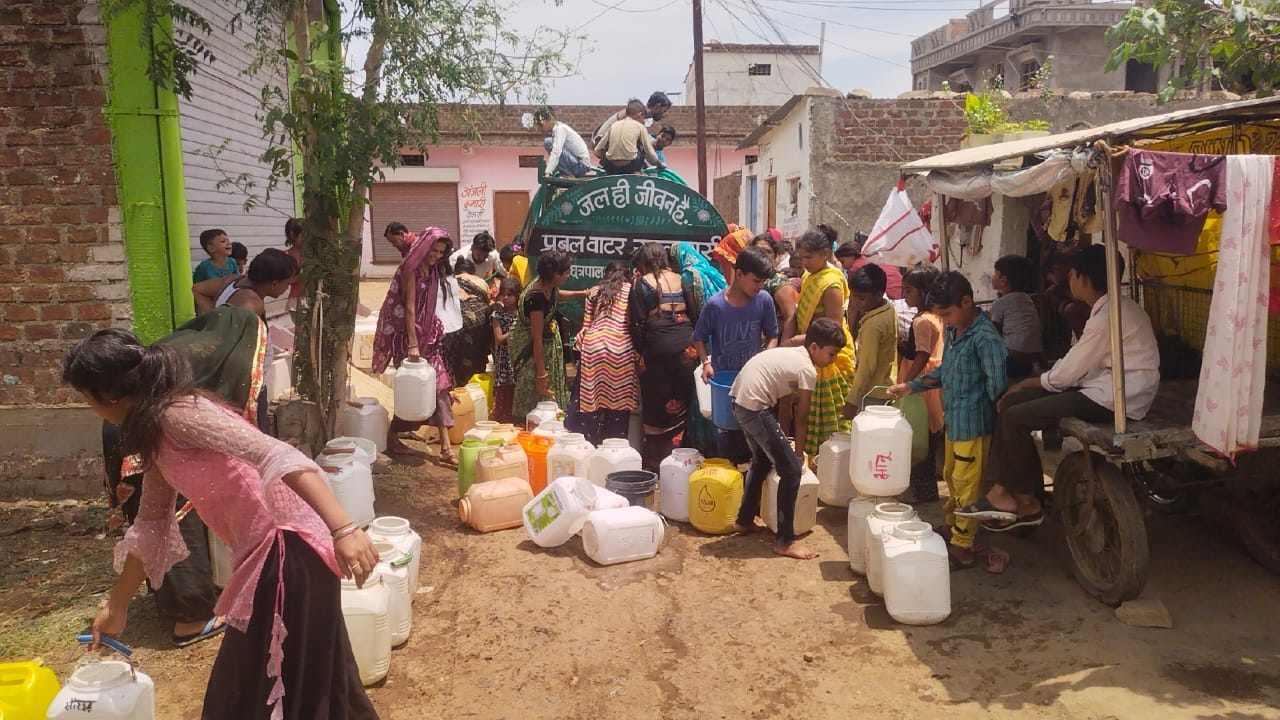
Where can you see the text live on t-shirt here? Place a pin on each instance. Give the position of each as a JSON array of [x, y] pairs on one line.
[[734, 333]]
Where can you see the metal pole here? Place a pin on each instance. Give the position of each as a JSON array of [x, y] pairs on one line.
[[699, 98], [940, 228], [1113, 296]]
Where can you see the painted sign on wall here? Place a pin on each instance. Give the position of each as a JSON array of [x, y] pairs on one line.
[[474, 210]]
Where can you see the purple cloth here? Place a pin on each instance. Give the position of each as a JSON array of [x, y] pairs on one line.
[[1162, 199]]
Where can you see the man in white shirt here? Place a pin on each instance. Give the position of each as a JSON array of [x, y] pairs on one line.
[[1078, 385], [482, 251], [567, 152]]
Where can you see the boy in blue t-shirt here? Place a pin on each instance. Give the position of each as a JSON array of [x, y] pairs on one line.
[[220, 263], [737, 323]]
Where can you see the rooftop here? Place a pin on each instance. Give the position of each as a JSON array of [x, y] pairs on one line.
[[715, 46]]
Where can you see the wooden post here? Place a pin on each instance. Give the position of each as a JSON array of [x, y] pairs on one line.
[[700, 109], [1106, 178]]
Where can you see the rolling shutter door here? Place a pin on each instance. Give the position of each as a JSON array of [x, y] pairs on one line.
[[417, 205]]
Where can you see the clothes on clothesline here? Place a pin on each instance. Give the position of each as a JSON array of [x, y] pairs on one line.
[[1162, 199]]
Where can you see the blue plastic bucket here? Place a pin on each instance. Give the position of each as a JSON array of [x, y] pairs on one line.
[[721, 403]]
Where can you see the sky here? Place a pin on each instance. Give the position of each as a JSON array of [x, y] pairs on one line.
[[633, 47]]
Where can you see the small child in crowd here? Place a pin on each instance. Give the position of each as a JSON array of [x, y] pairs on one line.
[[624, 149], [921, 352], [766, 379], [876, 346], [240, 254], [504, 381], [220, 264], [1015, 315], [972, 375], [736, 322], [516, 264], [608, 387]]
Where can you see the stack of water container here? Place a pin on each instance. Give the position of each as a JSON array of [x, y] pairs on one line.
[[902, 558], [379, 615]]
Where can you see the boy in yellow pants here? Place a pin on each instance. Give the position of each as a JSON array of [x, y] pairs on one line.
[[973, 373]]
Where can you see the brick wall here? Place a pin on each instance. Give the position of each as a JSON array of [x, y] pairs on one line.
[[62, 270], [727, 191], [896, 130]]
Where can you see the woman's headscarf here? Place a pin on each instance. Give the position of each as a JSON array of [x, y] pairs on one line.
[[698, 273], [390, 343]]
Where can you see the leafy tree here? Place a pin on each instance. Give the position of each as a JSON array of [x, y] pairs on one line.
[[1231, 44], [330, 127]]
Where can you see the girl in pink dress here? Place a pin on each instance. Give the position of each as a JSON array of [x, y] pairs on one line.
[[286, 653]]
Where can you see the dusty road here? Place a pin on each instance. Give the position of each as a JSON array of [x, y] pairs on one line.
[[720, 628]]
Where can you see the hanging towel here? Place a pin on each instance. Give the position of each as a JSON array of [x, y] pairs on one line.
[[1228, 412]]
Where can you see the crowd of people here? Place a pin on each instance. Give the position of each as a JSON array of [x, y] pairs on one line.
[[883, 332], [804, 332]]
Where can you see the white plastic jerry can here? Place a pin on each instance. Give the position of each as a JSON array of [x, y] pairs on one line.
[[106, 690]]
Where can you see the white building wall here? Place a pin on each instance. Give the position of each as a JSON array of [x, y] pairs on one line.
[[784, 156], [222, 139], [728, 83]]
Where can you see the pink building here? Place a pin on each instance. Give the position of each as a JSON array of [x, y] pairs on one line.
[[468, 185]]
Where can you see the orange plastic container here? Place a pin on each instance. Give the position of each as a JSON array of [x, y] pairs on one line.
[[536, 448]]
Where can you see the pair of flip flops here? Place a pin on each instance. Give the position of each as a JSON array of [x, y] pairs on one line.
[[997, 520], [215, 626]]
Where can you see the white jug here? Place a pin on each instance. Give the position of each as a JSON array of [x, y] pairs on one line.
[[279, 377], [860, 509], [622, 535], [613, 455], [558, 512], [550, 428], [806, 515], [703, 391], [835, 487], [479, 400], [415, 390], [367, 614], [917, 575], [568, 456], [365, 418], [881, 461], [543, 411], [397, 531], [365, 451], [673, 482], [393, 566], [481, 430], [106, 690], [352, 484], [879, 525]]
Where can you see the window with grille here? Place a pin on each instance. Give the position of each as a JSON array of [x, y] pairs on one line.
[[529, 161], [413, 160], [760, 69]]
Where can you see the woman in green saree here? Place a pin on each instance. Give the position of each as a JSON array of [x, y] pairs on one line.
[[537, 356]]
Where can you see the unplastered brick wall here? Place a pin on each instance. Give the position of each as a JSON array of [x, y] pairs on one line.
[[896, 130], [62, 263]]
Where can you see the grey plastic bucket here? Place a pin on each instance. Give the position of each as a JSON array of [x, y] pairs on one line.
[[637, 486]]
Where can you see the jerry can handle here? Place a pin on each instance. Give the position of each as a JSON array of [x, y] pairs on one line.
[[125, 651], [863, 405]]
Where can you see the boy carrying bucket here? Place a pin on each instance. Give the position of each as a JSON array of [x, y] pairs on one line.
[[766, 379]]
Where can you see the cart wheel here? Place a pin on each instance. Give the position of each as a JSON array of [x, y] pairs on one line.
[[1108, 537], [1164, 485], [1259, 531]]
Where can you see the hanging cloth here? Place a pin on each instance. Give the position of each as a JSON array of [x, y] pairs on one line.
[[1162, 199], [1228, 411]]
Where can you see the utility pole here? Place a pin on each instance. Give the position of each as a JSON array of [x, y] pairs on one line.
[[700, 110]]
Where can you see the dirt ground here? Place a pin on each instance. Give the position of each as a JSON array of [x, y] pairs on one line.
[[717, 627]]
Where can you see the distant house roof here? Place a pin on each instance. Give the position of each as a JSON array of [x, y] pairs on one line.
[[503, 125], [780, 114], [715, 46]]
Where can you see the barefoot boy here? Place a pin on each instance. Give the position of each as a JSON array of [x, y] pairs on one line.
[[972, 376], [766, 379]]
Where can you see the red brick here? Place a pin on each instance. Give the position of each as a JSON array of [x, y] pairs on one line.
[[35, 293], [47, 14], [43, 234], [37, 196], [55, 312], [94, 234], [77, 330], [39, 331], [19, 313], [37, 255], [24, 176], [8, 333], [44, 274], [96, 136], [93, 311], [10, 275], [81, 196], [74, 293], [69, 215], [6, 294], [96, 215], [73, 254]]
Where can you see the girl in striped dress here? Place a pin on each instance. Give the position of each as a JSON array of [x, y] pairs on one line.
[[608, 381]]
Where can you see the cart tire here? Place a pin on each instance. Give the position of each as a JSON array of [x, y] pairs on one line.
[[1260, 536], [1108, 541]]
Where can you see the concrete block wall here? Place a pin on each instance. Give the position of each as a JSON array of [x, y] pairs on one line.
[[62, 264]]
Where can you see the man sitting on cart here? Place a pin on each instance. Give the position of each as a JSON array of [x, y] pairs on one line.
[[1078, 385]]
